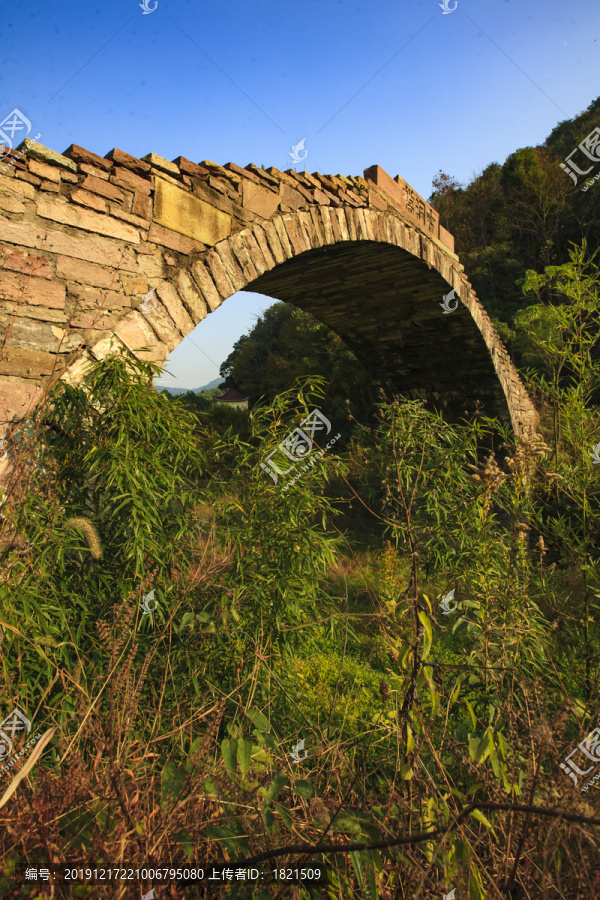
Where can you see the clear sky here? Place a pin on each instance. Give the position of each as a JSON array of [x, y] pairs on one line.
[[388, 82]]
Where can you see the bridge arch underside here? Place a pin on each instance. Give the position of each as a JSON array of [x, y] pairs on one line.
[[384, 303]]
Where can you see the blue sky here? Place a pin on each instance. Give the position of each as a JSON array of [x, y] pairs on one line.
[[393, 83]]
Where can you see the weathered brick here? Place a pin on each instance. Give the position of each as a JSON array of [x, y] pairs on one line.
[[34, 291], [85, 272], [283, 238], [215, 199], [85, 298], [27, 333], [173, 240], [142, 206], [177, 209], [160, 162], [175, 307], [291, 181], [50, 173], [151, 266], [377, 200], [21, 261], [12, 204], [158, 173], [260, 200], [220, 171], [256, 255], [238, 247], [120, 158], [49, 186], [86, 199], [191, 168], [201, 276], [143, 224], [59, 210], [24, 311], [261, 239], [219, 274], [193, 300], [335, 227], [136, 333], [274, 241], [362, 227], [16, 186], [97, 186], [127, 179], [107, 346], [264, 175], [134, 285], [80, 155], [31, 179], [291, 197], [224, 187], [446, 238], [163, 326], [305, 222], [32, 363], [91, 248], [351, 220], [17, 398], [92, 320], [102, 174], [245, 173], [231, 265], [298, 239], [321, 197], [44, 154], [318, 225]]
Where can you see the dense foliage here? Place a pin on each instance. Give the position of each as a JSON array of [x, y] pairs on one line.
[[523, 214], [431, 739]]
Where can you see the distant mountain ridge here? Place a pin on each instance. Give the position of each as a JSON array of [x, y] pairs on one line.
[[175, 391]]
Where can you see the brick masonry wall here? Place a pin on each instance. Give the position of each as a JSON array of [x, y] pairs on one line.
[[84, 238]]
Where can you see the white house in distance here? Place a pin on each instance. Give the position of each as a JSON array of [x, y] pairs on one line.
[[232, 398]]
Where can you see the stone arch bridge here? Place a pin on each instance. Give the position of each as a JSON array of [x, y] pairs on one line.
[[84, 239]]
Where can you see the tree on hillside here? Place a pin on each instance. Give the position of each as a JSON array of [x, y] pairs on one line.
[[286, 344], [522, 215]]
